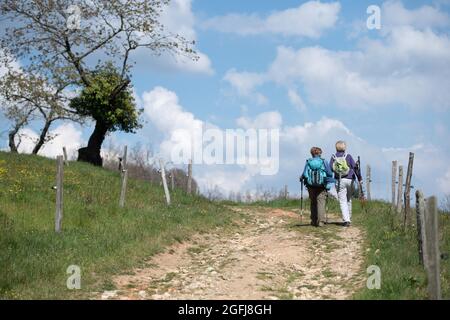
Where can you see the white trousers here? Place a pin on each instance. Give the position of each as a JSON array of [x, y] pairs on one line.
[[344, 196]]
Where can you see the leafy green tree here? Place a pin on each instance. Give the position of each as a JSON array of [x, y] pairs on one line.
[[110, 103]]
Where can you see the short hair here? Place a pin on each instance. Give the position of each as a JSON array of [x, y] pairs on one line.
[[316, 151], [341, 145]]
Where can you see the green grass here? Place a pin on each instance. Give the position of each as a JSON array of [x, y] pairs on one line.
[[396, 253], [290, 203], [98, 236]]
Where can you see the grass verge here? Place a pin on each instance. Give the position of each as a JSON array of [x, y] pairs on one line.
[[396, 253]]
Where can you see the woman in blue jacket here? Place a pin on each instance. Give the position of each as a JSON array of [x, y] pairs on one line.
[[318, 178]]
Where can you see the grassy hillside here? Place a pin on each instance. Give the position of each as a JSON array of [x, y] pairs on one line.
[[98, 236]]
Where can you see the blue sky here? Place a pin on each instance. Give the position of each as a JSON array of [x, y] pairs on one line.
[[272, 63]]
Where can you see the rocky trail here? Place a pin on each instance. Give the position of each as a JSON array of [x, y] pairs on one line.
[[270, 255]]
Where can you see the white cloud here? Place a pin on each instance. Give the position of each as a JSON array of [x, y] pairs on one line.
[[162, 108], [327, 76], [408, 67], [179, 19], [245, 83], [227, 179], [65, 135], [165, 112], [395, 14], [13, 65], [444, 182], [310, 20], [428, 169], [296, 100], [266, 120]]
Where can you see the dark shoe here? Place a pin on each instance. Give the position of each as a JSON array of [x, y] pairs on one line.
[[346, 224]]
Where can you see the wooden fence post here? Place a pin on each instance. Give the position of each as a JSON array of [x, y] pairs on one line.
[[66, 159], [163, 176], [123, 189], [189, 182], [400, 190], [286, 193], [368, 181], [124, 159], [124, 177], [432, 256], [420, 215], [59, 193], [172, 180], [407, 216], [394, 178]]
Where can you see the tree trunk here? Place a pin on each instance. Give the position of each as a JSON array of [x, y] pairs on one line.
[[11, 139], [91, 153], [42, 137]]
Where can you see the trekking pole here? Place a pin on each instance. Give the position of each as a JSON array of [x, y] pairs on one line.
[[301, 202], [362, 197]]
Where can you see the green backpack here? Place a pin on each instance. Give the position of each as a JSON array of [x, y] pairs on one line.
[[340, 165]]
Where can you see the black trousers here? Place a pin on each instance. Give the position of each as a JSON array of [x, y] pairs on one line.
[[318, 198]]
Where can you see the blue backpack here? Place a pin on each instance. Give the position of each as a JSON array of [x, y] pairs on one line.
[[315, 174]]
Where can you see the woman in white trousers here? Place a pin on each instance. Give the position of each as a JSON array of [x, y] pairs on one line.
[[344, 182]]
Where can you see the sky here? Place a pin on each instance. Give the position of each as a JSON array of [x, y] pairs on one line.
[[314, 71]]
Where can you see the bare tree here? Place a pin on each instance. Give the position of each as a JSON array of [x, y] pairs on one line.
[[29, 98], [19, 116], [141, 155], [214, 193], [141, 165], [248, 196]]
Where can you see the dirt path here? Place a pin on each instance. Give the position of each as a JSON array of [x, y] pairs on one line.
[[270, 256]]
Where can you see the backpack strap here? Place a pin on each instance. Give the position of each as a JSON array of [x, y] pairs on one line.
[[307, 166], [323, 163]]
